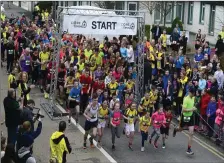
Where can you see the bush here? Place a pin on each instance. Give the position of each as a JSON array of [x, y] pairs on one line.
[[177, 21], [147, 31], [45, 5]]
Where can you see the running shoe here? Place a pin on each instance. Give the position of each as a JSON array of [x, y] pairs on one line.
[[174, 132], [142, 149], [84, 145], [130, 147], [150, 139], [164, 146], [42, 90], [113, 147], [91, 142], [99, 145], [155, 145], [189, 152]]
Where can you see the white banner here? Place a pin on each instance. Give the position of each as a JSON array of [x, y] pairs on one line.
[[101, 25]]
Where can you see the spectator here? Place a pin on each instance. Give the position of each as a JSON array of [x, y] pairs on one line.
[[219, 46], [205, 99], [198, 57], [12, 110], [198, 35], [219, 76], [3, 146], [183, 42], [222, 33], [59, 144], [156, 32], [201, 82], [210, 113], [174, 39], [220, 118], [10, 154], [27, 113]]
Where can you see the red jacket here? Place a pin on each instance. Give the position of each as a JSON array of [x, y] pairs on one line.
[[205, 99]]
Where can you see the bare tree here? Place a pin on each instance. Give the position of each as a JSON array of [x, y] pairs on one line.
[[105, 4], [148, 5], [163, 7]]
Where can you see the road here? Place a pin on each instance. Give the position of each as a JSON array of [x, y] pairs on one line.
[[175, 150]]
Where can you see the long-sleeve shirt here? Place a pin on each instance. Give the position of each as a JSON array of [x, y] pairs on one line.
[[202, 84], [220, 78], [211, 110]]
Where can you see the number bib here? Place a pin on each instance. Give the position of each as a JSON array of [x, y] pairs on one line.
[[10, 51], [27, 62], [186, 119]]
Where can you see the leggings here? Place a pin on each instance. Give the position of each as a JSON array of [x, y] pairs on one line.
[[144, 137], [156, 131], [115, 131], [84, 102]]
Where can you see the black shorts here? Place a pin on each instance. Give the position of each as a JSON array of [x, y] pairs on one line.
[[164, 130], [43, 74], [187, 124], [89, 125], [60, 84], [73, 104]]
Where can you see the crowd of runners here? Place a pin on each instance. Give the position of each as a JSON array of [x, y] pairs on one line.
[[97, 79]]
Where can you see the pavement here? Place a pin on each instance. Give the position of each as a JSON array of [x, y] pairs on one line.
[[205, 150]]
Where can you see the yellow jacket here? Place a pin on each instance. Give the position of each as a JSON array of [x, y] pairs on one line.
[[59, 145]]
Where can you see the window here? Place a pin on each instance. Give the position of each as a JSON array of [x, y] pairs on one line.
[[80, 3], [62, 3], [119, 5], [157, 14], [202, 13], [74, 3], [170, 14], [66, 3], [180, 11], [212, 20], [190, 12], [132, 6]]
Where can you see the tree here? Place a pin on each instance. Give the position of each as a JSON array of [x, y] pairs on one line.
[[163, 7], [105, 4]]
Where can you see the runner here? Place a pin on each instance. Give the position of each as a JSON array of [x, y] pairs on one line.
[[158, 120], [164, 130], [115, 120], [102, 116], [144, 124], [187, 118], [131, 116], [74, 101], [91, 120]]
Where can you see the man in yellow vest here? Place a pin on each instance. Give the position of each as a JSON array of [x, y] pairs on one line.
[[222, 32], [59, 144], [3, 17]]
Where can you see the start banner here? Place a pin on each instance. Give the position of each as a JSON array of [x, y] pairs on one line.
[[101, 25]]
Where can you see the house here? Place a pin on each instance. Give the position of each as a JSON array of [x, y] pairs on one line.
[[207, 16]]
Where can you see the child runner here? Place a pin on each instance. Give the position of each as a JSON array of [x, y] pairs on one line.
[[144, 124], [164, 130], [158, 120], [102, 116], [115, 120], [131, 115]]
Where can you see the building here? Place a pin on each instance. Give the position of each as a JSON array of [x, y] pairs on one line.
[[207, 16]]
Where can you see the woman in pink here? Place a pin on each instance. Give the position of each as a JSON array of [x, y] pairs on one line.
[[219, 120], [115, 120], [158, 119]]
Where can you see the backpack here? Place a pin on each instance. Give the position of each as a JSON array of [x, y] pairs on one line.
[[24, 158]]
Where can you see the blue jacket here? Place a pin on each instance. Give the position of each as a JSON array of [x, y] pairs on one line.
[[211, 109], [198, 58], [207, 51], [165, 81], [179, 63]]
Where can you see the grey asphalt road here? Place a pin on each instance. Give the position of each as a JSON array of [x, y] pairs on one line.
[[175, 149]]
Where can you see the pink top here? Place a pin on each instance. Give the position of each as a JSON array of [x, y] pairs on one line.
[[158, 119], [116, 118], [219, 115]]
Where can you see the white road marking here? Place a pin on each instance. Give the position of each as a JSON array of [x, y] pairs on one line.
[[81, 129]]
